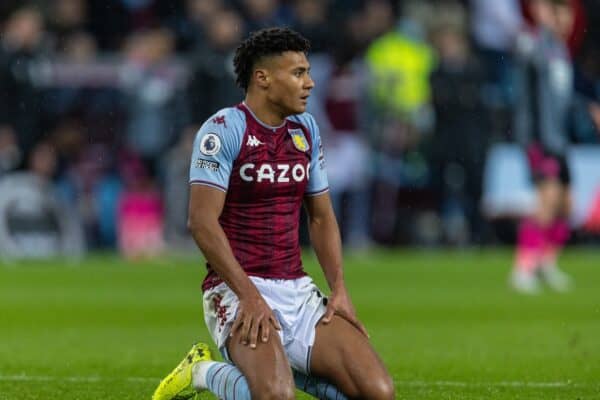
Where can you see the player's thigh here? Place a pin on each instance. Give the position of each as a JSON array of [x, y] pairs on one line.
[[344, 356], [266, 367]]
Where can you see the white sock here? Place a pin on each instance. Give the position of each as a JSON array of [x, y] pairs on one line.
[[199, 372]]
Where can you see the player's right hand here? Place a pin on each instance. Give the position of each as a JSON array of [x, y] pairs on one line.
[[254, 321]]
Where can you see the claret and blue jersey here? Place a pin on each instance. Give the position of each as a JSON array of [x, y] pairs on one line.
[[266, 171]]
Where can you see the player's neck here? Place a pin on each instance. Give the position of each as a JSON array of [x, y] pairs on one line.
[[263, 112]]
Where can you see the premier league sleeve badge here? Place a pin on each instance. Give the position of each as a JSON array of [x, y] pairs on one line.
[[210, 144]]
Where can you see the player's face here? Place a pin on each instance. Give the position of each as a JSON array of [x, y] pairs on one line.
[[290, 82]]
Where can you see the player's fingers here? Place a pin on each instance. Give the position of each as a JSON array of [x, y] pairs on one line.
[[254, 331], [328, 315], [275, 322], [237, 324], [245, 330], [265, 331]]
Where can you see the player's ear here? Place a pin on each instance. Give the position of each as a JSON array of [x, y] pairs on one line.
[[261, 75]]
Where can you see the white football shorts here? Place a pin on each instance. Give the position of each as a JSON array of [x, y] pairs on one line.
[[297, 304]]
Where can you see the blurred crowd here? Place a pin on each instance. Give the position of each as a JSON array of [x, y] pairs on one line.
[[100, 101]]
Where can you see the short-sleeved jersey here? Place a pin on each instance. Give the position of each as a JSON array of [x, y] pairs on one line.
[[266, 172]]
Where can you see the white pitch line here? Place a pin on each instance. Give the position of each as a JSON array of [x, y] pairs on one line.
[[42, 378], [406, 383], [540, 385]]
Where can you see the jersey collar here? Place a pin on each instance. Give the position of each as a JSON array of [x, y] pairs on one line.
[[267, 126]]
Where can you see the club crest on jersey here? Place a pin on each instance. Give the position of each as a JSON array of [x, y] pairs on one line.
[[299, 139], [210, 144]]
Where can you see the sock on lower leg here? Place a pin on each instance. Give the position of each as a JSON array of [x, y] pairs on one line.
[[557, 234], [526, 262], [530, 243], [222, 379], [319, 388], [549, 257], [199, 372], [227, 382]]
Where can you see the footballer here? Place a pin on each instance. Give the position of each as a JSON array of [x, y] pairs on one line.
[[253, 167]]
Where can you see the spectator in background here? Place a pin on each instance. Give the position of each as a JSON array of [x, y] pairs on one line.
[[495, 27], [190, 26], [79, 48], [21, 44], [399, 63], [594, 109], [112, 21], [543, 104], [377, 18], [65, 18], [212, 83], [90, 88], [175, 170], [87, 182], [76, 48], [140, 212], [587, 74], [10, 154], [33, 222], [461, 134], [262, 14], [157, 109], [43, 162], [338, 107], [310, 18]]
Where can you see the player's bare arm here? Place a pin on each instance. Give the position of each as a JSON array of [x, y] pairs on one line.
[[255, 318], [325, 238]]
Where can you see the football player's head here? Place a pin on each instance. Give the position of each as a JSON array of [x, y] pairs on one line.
[[273, 62]]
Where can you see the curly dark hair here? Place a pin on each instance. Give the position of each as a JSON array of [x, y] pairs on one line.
[[263, 43]]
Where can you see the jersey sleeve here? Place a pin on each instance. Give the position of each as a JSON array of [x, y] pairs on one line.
[[317, 181], [216, 146]]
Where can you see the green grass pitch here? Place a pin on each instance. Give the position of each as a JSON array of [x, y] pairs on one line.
[[444, 322]]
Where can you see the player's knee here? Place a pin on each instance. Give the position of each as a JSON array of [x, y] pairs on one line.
[[275, 391], [381, 388]]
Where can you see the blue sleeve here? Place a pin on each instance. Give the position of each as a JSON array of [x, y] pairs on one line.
[[317, 181], [216, 147]]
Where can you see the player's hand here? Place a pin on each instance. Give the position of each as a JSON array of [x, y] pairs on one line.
[[254, 321], [339, 304]]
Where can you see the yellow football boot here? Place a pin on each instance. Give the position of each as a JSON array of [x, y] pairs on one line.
[[178, 384]]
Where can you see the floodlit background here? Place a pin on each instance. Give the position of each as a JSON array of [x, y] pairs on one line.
[[418, 103]]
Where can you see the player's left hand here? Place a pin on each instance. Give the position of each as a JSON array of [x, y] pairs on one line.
[[339, 304]]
